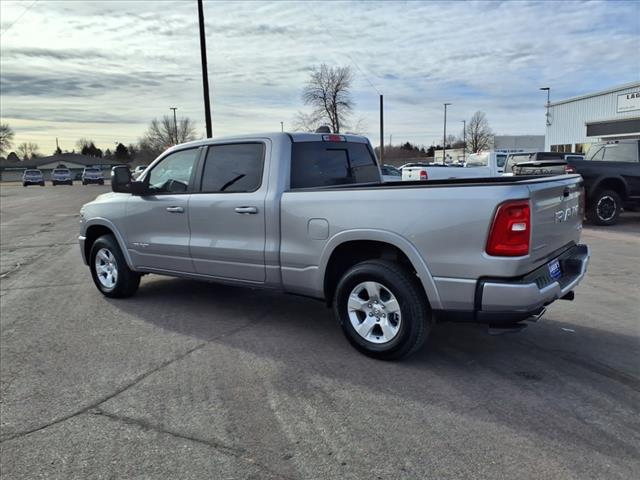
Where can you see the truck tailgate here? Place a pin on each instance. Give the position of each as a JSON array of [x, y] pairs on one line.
[[556, 214]]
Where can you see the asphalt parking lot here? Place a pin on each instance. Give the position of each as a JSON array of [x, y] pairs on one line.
[[195, 380]]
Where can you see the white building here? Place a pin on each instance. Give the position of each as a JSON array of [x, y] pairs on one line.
[[518, 143], [574, 124]]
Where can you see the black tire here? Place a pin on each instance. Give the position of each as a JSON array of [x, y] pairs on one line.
[[101, 182], [127, 281], [24, 184], [604, 207], [42, 184], [84, 183], [416, 319], [53, 183]]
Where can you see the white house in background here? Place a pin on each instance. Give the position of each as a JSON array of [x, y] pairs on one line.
[[73, 161]]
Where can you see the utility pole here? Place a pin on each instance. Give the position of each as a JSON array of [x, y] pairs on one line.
[[282, 126], [57, 146], [390, 140], [444, 143], [381, 129], [464, 140], [205, 74], [175, 123]]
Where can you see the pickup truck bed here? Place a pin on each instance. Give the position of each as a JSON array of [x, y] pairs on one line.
[[307, 214]]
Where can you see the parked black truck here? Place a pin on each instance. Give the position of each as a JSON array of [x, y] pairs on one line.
[[611, 173]]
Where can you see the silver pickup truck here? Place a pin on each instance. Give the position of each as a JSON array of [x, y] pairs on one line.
[[307, 214]]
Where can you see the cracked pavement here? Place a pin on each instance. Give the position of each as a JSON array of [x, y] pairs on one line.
[[195, 380]]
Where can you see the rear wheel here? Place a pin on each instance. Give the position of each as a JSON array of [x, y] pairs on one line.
[[382, 309], [109, 269], [604, 207]]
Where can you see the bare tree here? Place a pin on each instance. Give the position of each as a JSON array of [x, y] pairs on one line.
[[6, 137], [306, 122], [328, 93], [478, 133], [359, 128], [162, 134], [27, 150]]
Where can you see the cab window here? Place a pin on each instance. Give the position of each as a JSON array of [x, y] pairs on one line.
[[173, 173], [233, 168]]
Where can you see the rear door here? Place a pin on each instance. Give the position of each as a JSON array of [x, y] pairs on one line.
[[227, 214], [556, 214]]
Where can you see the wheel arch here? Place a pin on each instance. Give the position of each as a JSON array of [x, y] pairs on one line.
[[615, 183], [353, 246], [98, 227]]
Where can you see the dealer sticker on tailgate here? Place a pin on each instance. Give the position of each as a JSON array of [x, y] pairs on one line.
[[554, 269]]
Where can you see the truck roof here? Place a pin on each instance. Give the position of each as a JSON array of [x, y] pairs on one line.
[[292, 136]]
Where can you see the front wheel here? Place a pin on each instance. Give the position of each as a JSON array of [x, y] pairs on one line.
[[382, 309], [604, 207], [109, 269]]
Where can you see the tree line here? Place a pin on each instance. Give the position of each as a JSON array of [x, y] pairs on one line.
[[161, 134]]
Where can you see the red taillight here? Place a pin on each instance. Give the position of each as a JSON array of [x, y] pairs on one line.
[[511, 230], [569, 169], [423, 175]]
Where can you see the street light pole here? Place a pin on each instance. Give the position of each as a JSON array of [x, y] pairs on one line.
[[175, 123], [205, 74], [282, 126], [444, 143], [464, 140], [548, 89]]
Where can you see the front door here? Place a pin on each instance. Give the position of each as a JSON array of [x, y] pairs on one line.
[[227, 214], [157, 223]]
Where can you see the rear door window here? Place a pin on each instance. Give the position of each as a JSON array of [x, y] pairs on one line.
[[320, 164], [621, 152], [233, 168]]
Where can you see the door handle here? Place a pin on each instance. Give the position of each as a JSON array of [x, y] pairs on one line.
[[247, 210], [175, 209]]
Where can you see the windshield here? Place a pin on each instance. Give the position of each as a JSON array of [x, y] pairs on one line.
[[33, 172], [92, 170], [61, 170]]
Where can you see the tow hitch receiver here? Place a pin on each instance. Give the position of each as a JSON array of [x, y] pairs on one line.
[[569, 296]]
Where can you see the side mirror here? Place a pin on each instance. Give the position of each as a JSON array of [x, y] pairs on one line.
[[121, 179], [122, 182]]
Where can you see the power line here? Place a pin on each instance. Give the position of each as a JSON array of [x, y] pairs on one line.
[[19, 17]]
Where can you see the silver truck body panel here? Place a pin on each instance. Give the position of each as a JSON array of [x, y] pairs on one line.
[[287, 242]]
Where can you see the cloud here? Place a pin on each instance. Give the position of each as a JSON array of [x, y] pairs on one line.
[[87, 60]]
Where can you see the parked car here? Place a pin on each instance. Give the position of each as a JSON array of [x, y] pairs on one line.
[[477, 165], [390, 173], [536, 163], [611, 173], [32, 177], [61, 176], [307, 213], [92, 175]]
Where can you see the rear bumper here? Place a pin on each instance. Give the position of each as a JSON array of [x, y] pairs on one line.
[[500, 299], [93, 180], [509, 300]]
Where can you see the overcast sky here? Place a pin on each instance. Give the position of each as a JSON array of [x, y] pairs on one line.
[[103, 70]]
